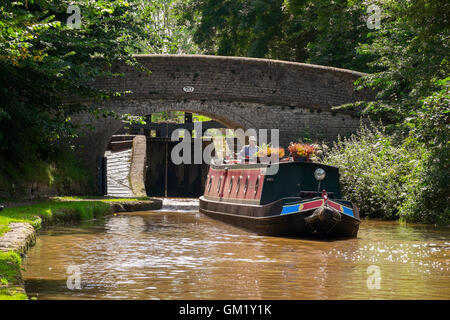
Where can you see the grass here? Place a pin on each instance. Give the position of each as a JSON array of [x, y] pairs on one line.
[[59, 209], [51, 212], [45, 212], [10, 278], [102, 199]]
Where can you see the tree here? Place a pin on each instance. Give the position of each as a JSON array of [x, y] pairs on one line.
[[412, 98], [322, 32], [163, 18], [45, 59], [412, 56]]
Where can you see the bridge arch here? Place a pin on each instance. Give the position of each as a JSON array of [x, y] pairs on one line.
[[239, 92]]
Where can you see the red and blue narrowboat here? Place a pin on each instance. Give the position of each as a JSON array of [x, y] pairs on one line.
[[302, 199]]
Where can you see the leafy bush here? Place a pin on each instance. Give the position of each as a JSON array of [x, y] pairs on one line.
[[428, 199], [376, 171]]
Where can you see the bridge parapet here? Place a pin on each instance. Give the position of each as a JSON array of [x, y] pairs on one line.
[[235, 79]]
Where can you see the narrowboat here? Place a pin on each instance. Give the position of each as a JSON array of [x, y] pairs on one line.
[[302, 199]]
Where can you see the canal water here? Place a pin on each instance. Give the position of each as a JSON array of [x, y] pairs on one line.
[[177, 253]]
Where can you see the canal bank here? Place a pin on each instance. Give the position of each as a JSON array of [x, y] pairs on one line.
[[19, 223]]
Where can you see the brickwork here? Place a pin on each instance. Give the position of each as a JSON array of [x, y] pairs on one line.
[[269, 82], [238, 92]]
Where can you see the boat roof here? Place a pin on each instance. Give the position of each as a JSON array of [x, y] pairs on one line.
[[264, 165]]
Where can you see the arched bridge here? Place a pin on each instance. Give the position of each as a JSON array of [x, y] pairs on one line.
[[295, 98]]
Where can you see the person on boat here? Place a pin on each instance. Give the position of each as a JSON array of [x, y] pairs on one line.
[[249, 151]]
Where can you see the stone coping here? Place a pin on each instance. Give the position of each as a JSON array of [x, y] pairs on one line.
[[249, 59], [19, 238]]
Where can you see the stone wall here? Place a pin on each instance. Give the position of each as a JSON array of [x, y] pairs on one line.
[[35, 190]]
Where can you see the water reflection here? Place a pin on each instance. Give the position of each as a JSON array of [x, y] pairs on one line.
[[184, 255]]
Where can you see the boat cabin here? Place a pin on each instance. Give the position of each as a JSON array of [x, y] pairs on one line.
[[250, 183]]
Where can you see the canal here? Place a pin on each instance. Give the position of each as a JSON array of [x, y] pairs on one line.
[[177, 253]]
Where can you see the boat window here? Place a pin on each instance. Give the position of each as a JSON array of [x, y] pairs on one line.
[[257, 184], [238, 184], [231, 184], [210, 183], [219, 183], [246, 185]]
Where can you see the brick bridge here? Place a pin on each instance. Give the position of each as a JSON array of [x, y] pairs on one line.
[[239, 92]]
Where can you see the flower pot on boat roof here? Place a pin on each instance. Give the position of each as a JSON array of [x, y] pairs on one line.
[[301, 152], [299, 158]]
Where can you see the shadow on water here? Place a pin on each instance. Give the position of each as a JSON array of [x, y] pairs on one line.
[[59, 289], [51, 287]]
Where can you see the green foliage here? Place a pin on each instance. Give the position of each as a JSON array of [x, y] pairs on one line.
[[376, 171], [401, 168], [103, 199], [168, 116], [336, 29], [53, 212], [412, 56], [46, 66], [10, 267], [162, 17], [412, 100], [59, 209], [392, 178], [176, 117], [429, 201], [323, 32]]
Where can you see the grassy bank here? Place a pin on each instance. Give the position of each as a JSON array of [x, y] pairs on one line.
[[10, 277], [52, 212], [43, 213]]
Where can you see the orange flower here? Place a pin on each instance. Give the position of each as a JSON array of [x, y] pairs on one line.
[[269, 151], [301, 149]]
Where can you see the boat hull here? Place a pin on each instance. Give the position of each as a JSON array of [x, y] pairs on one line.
[[266, 220]]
